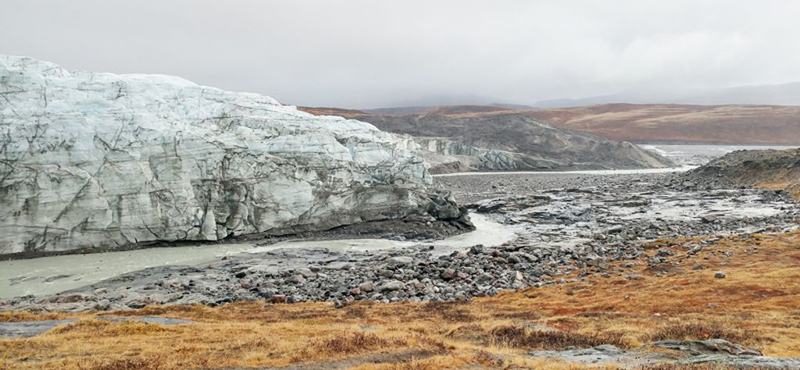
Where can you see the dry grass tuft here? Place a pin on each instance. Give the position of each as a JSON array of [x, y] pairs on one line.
[[518, 315], [353, 343], [487, 359], [412, 365], [519, 337], [27, 316], [699, 331], [154, 363], [103, 327], [449, 311], [471, 333]]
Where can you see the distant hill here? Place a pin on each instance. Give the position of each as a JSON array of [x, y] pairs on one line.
[[446, 109], [725, 124], [722, 124], [782, 94], [324, 111]]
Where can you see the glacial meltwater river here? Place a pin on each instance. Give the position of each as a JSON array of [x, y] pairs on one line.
[[49, 275]]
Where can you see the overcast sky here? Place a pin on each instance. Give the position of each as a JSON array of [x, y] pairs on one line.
[[366, 54]]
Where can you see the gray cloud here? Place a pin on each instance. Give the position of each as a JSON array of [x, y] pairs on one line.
[[382, 53]]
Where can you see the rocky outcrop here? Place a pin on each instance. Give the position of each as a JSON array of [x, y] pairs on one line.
[[507, 141], [770, 169], [103, 161]]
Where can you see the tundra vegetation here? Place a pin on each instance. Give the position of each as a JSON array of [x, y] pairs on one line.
[[756, 305]]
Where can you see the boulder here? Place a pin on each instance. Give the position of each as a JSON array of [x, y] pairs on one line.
[[367, 287], [400, 261], [391, 286]]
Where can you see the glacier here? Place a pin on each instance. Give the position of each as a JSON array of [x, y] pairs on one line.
[[99, 161]]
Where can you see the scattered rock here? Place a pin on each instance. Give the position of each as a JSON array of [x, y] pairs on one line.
[[367, 287], [391, 286], [277, 298], [448, 274], [296, 279]]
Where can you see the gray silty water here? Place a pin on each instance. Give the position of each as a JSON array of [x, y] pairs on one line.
[[49, 275]]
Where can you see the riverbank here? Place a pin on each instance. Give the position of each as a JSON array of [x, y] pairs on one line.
[[55, 274]]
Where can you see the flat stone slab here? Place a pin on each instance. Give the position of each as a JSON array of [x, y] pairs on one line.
[[348, 363], [28, 329], [716, 351], [603, 355]]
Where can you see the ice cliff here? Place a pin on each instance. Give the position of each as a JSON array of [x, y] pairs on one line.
[[98, 160]]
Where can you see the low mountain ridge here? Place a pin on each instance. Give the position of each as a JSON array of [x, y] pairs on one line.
[[457, 139], [710, 124], [665, 123]]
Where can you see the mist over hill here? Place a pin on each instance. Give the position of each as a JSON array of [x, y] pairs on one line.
[[780, 94]]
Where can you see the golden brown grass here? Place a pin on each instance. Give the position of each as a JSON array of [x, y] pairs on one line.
[[520, 337], [27, 316], [758, 305], [787, 182]]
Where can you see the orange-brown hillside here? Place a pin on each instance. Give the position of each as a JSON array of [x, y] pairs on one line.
[[727, 124], [325, 111], [730, 124]]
